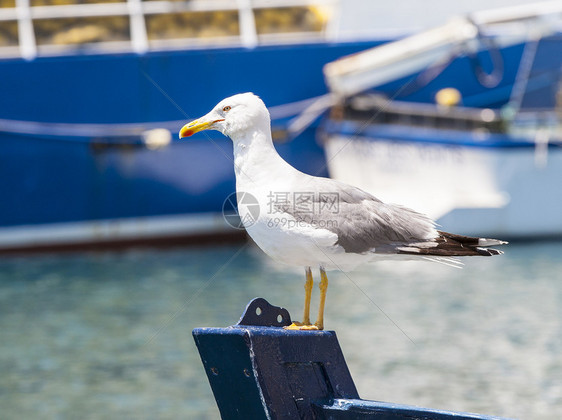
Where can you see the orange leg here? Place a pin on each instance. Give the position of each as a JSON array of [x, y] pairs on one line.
[[323, 289], [307, 296], [305, 325]]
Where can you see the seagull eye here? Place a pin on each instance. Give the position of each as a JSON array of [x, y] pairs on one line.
[[226, 108]]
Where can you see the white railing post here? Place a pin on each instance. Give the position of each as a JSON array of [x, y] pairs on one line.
[[139, 38], [248, 32], [28, 47], [332, 29]]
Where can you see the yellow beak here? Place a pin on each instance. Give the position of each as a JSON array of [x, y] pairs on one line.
[[196, 126]]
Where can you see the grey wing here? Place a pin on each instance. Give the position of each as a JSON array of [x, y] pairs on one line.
[[362, 222]]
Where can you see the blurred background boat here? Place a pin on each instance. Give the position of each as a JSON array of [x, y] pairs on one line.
[[93, 92], [462, 122]]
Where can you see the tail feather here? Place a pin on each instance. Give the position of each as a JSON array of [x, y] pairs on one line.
[[470, 240], [452, 245]]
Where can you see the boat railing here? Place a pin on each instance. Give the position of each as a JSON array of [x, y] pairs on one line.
[[537, 123], [29, 27], [376, 108], [370, 101]]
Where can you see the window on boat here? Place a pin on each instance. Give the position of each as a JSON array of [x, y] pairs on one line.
[[8, 33], [82, 30], [216, 26], [8, 27], [275, 20]]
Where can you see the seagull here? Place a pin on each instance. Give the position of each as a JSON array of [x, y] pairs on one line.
[[311, 221]]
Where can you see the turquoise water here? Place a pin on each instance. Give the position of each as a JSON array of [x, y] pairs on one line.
[[108, 335]]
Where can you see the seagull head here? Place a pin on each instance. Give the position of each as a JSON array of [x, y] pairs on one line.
[[234, 117]]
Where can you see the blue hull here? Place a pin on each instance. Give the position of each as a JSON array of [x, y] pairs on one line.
[[53, 179]]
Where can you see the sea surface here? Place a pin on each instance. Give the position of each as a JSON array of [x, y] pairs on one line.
[[108, 335]]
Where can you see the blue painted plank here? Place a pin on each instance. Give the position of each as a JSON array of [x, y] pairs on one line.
[[289, 370]]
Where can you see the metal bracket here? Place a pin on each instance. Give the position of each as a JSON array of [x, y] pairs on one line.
[[260, 313]]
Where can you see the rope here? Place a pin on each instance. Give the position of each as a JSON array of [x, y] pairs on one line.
[[108, 133]]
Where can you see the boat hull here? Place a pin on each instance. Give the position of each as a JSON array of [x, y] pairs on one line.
[[470, 183], [62, 186]]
